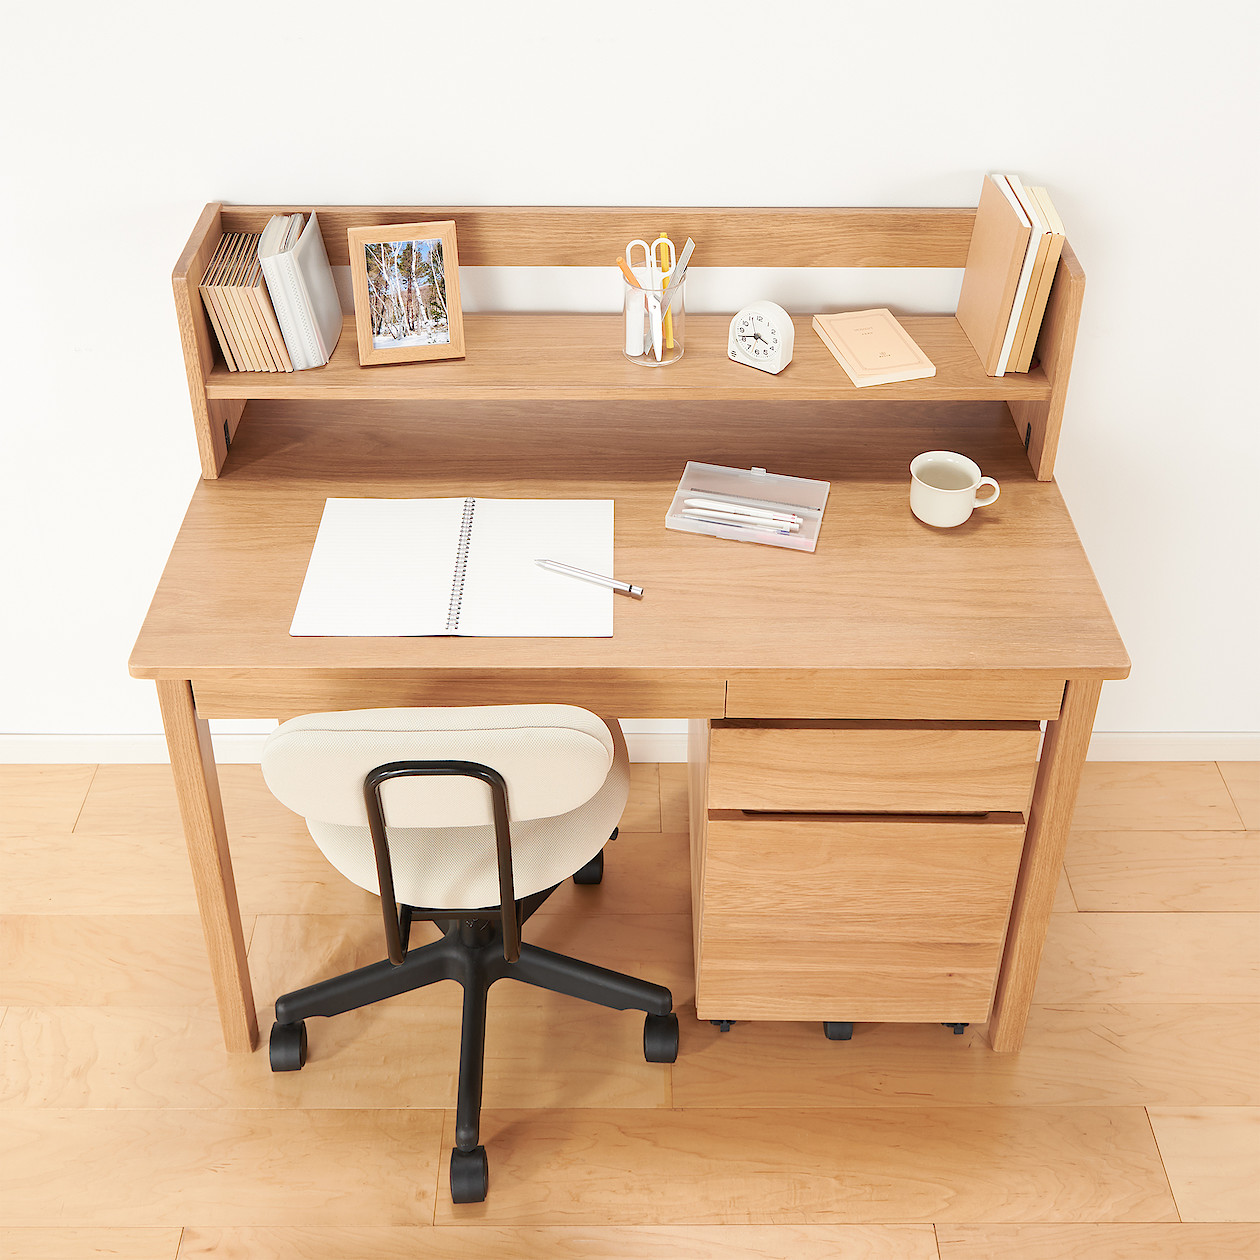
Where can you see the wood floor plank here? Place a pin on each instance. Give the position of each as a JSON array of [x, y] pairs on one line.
[[1164, 870], [1243, 780], [1064, 900], [1072, 1056], [674, 807], [629, 1242], [35, 800], [817, 1166], [1212, 1157], [140, 800], [111, 960], [1155, 796], [1172, 1241], [1137, 957], [223, 1167], [645, 872], [52, 1243], [290, 951], [551, 1052]]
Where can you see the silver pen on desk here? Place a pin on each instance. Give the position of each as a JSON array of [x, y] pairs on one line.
[[622, 588]]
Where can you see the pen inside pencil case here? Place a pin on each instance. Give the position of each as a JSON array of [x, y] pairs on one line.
[[769, 505]]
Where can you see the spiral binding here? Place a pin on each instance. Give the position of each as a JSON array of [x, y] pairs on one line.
[[461, 564]]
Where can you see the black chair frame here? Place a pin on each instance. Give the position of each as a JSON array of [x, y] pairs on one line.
[[479, 946]]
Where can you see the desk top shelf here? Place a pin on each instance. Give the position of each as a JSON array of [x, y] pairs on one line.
[[516, 356], [521, 356]]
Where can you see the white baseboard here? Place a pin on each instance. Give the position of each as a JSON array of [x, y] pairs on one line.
[[644, 745]]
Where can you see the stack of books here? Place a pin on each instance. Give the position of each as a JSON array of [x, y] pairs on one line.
[[272, 299], [1014, 252], [239, 309]]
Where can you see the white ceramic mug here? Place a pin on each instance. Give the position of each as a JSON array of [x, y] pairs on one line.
[[943, 487]]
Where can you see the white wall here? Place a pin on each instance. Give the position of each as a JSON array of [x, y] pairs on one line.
[[123, 120]]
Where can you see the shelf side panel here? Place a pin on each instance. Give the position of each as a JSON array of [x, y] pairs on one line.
[[214, 419], [1040, 421]]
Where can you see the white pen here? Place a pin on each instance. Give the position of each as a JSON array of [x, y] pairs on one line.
[[622, 588], [742, 509], [739, 522]]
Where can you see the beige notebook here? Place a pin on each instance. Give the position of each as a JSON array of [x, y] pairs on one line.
[[872, 347], [1039, 295], [995, 258]]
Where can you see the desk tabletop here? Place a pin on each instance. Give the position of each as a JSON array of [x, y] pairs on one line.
[[1010, 590]]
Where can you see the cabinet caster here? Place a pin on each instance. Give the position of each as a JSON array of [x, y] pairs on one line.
[[287, 1047], [660, 1038], [470, 1175], [958, 1028], [592, 872], [722, 1025], [838, 1032]]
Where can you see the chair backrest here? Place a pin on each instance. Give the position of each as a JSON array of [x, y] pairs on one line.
[[554, 758]]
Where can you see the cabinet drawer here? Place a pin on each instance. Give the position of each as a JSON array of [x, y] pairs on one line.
[[878, 767], [855, 918]]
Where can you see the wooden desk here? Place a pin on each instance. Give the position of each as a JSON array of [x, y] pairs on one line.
[[997, 621]]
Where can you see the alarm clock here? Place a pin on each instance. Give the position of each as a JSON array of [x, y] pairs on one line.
[[761, 336]]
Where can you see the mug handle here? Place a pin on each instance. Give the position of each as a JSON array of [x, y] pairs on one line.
[[993, 498]]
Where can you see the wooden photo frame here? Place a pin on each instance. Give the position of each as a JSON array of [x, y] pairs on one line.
[[406, 292]]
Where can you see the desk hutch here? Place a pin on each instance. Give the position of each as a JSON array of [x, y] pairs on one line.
[[875, 833]]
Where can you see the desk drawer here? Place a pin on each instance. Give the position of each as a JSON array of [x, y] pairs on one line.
[[877, 767], [855, 918]]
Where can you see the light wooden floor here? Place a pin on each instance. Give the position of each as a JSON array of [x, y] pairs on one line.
[[1128, 1127]]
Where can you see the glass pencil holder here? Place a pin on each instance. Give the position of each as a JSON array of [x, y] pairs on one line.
[[655, 322]]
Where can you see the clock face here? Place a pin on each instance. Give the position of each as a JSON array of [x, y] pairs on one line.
[[757, 336]]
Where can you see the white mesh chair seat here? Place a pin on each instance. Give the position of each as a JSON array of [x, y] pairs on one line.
[[567, 774]]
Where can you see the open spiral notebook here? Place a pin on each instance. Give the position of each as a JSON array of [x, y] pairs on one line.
[[399, 567]]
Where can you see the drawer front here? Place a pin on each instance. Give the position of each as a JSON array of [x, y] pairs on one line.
[[817, 693], [855, 919], [876, 767]]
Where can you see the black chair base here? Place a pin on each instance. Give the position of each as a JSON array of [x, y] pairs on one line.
[[471, 951]]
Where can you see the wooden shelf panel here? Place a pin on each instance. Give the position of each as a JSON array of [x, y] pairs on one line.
[[521, 356]]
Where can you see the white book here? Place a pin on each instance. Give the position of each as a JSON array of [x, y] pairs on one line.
[[303, 291], [1014, 190], [399, 567]]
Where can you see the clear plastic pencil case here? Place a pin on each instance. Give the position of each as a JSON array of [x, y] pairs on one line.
[[749, 505]]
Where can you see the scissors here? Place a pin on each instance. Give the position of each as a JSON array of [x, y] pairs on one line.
[[652, 280]]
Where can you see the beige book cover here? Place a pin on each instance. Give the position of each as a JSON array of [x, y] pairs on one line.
[[1039, 244], [999, 241], [1022, 361], [872, 347], [215, 309]]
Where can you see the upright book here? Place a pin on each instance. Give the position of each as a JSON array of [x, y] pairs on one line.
[[995, 263], [300, 281], [399, 567], [240, 310], [872, 347], [1043, 278]]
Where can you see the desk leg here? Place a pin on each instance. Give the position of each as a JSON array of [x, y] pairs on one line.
[[1049, 820], [197, 788]]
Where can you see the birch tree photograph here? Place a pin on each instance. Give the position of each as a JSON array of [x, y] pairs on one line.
[[406, 292]]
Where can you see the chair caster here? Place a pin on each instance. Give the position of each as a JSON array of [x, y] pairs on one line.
[[592, 872], [660, 1038], [470, 1175], [838, 1031], [722, 1025], [287, 1047], [958, 1028]]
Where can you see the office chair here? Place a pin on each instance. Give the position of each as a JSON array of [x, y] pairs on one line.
[[469, 818]]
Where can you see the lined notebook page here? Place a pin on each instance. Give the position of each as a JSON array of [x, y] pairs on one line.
[[391, 568]]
